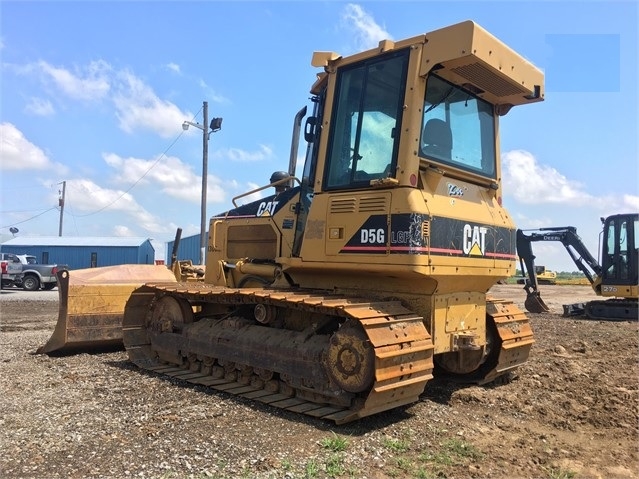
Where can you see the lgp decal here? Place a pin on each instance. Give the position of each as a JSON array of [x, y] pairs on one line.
[[405, 235]]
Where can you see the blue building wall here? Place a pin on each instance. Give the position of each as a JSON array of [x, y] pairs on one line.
[[77, 257], [189, 249]]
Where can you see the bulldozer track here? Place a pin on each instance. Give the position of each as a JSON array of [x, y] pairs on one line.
[[402, 350], [515, 337]]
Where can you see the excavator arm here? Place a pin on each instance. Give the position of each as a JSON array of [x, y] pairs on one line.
[[580, 255]]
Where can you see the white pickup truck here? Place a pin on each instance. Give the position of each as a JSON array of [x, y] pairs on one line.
[[11, 269]]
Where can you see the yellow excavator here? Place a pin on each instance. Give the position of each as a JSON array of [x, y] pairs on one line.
[[615, 276], [341, 294]]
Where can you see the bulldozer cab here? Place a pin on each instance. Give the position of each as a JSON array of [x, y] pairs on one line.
[[366, 106], [415, 115], [402, 159]]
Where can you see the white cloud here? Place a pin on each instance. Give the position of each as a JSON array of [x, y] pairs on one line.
[[86, 196], [139, 108], [88, 83], [529, 182], [367, 31], [40, 107], [236, 154], [258, 195], [543, 197], [18, 153], [211, 94], [631, 202], [175, 178], [174, 67], [122, 231]]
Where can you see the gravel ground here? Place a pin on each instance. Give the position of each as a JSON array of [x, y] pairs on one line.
[[571, 411]]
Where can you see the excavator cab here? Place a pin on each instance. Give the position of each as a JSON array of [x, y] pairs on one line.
[[619, 255]]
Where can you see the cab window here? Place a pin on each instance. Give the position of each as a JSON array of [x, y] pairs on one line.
[[458, 129]]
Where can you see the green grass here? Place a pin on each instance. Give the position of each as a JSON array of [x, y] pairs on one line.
[[311, 469], [334, 443], [461, 448], [335, 465], [395, 445], [560, 473], [452, 452]]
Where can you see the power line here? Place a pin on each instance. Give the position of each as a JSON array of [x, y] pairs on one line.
[[141, 177], [29, 219]]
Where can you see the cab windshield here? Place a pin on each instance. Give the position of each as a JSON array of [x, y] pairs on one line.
[[458, 128]]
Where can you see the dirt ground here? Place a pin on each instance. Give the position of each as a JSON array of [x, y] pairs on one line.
[[571, 411]]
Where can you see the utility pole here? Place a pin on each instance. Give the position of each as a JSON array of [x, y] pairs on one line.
[[61, 204], [205, 166], [216, 125]]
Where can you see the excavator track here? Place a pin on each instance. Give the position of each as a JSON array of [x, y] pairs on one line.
[[616, 309], [354, 357]]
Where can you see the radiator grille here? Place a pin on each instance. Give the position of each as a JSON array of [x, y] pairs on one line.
[[362, 204], [343, 205], [371, 204]]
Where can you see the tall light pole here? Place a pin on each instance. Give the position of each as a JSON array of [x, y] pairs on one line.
[[61, 204], [216, 124]]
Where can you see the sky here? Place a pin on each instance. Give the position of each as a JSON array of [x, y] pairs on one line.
[[94, 94]]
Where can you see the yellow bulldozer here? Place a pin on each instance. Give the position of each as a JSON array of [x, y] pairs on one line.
[[343, 292]]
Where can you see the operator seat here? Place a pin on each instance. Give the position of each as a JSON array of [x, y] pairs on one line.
[[437, 139]]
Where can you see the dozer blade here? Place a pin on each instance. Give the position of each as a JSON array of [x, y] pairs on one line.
[[91, 305], [534, 303]]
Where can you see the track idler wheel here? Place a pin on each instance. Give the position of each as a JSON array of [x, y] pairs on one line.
[[350, 359], [168, 315]]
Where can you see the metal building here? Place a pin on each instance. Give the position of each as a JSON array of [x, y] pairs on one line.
[[83, 252], [189, 249]]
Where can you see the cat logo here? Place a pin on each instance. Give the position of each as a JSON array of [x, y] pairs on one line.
[[267, 208], [474, 240]]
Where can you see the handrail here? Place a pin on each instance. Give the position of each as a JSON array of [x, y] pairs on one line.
[[275, 183]]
